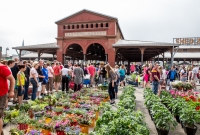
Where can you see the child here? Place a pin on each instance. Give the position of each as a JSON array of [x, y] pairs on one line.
[[138, 80]]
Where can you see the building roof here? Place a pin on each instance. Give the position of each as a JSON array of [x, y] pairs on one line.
[[35, 55], [131, 43], [184, 55], [93, 12], [38, 46], [85, 10], [189, 46]]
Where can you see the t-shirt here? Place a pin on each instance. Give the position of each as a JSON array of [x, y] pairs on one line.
[[155, 72], [45, 73], [4, 72], [65, 71], [57, 70], [15, 71], [32, 72], [122, 72], [91, 70], [195, 72], [39, 70], [132, 68], [50, 71]]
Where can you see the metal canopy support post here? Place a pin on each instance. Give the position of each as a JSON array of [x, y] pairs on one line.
[[142, 54], [163, 59], [38, 55], [64, 59], [84, 55], [53, 57], [20, 55]]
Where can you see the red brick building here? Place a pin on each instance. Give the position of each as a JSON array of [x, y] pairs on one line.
[[84, 30]]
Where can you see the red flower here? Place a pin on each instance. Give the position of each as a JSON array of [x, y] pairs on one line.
[[198, 108]]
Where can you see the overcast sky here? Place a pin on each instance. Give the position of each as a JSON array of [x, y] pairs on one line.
[[152, 20]]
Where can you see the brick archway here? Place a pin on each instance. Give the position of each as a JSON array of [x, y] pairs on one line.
[[74, 52]]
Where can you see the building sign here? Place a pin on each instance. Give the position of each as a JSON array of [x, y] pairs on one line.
[[187, 41], [81, 34]]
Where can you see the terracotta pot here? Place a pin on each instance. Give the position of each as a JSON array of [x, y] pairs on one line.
[[58, 132], [97, 115], [58, 113], [84, 129], [93, 123], [46, 132]]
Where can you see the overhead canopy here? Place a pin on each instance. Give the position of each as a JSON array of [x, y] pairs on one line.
[[134, 50]]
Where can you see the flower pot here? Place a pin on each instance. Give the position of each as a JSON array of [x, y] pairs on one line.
[[66, 107], [177, 119], [46, 132], [22, 126], [58, 113], [47, 120], [97, 115], [58, 132], [189, 130], [162, 132], [93, 123], [84, 129]]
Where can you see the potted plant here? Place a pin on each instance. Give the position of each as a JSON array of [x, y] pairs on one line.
[[66, 105], [16, 131], [187, 117], [22, 121], [46, 127], [84, 124], [61, 125], [73, 130], [33, 132], [49, 116], [58, 111]]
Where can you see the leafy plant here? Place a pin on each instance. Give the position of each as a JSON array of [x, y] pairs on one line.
[[187, 116]]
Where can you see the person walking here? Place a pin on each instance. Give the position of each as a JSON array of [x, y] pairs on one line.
[[15, 70], [34, 80], [65, 78], [21, 79], [45, 80], [132, 68], [57, 76], [183, 75], [40, 77], [122, 73], [194, 78], [5, 75], [78, 76], [91, 72], [111, 82], [155, 79], [49, 85], [102, 73], [27, 81]]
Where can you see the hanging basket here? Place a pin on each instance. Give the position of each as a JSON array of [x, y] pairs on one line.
[[46, 132], [84, 129], [58, 132]]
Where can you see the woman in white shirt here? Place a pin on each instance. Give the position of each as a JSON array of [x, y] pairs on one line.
[[34, 80], [66, 72]]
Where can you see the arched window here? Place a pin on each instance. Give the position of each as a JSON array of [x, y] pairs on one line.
[[68, 27], [82, 26], [91, 26], [77, 26], [86, 25], [101, 24], [106, 24], [96, 25], [72, 26], [64, 27]]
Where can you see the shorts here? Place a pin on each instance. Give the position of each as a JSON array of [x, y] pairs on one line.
[[20, 91], [44, 82], [57, 78], [2, 104], [122, 78]]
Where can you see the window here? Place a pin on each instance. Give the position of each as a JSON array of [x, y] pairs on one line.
[[86, 25], [68, 26], [184, 50], [77, 26], [64, 27], [91, 26], [96, 25], [82, 26], [101, 24], [106, 24], [72, 26]]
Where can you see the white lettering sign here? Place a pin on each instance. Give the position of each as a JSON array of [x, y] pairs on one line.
[[78, 34]]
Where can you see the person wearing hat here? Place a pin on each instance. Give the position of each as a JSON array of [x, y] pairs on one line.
[[34, 80]]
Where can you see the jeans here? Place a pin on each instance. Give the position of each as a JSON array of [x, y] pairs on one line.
[[111, 91], [155, 85], [34, 90], [116, 88], [65, 83], [26, 89]]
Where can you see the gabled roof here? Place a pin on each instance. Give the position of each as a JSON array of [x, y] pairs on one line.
[[86, 10], [38, 46], [132, 43]]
